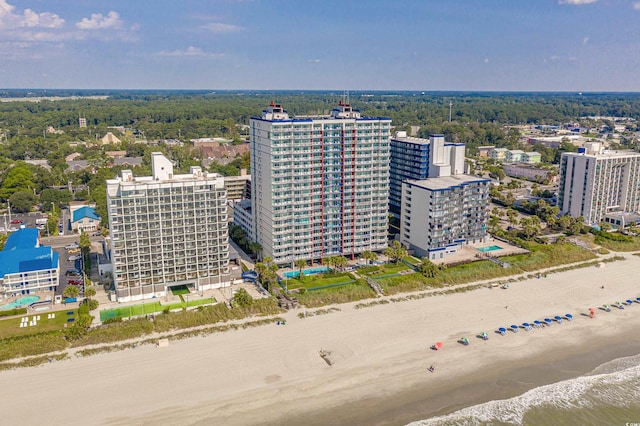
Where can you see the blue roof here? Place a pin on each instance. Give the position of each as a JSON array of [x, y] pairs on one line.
[[83, 212], [20, 253]]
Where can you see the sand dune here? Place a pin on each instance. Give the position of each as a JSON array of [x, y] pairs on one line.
[[379, 356]]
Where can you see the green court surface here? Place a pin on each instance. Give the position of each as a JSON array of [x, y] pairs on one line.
[[150, 308]]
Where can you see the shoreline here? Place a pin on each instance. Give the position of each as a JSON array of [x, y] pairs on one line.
[[275, 375]]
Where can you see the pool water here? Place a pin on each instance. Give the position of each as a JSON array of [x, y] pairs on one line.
[[490, 248], [21, 302], [309, 271]]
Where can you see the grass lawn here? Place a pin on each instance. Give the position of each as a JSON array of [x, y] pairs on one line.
[[11, 327], [319, 280], [625, 243], [386, 269], [412, 260], [150, 308]]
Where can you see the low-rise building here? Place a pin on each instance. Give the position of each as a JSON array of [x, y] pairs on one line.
[[513, 156], [498, 154], [531, 157], [26, 266], [84, 219], [532, 173]]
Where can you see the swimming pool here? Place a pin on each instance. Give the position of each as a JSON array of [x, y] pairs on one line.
[[19, 303], [308, 271], [490, 248]]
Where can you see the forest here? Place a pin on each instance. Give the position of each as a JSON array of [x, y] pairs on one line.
[[476, 119]]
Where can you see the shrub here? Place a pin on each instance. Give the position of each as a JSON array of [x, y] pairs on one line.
[[12, 312], [90, 303]]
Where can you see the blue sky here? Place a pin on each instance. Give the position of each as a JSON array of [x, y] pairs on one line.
[[510, 45]]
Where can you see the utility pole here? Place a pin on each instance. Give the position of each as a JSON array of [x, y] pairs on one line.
[[450, 105]]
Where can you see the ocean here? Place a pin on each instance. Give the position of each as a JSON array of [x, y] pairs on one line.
[[608, 395]]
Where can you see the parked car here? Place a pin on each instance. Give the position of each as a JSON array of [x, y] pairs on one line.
[[16, 221], [72, 246], [74, 251], [74, 258]]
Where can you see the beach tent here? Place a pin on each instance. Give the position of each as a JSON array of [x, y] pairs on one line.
[[484, 335], [464, 341], [619, 305], [606, 308]]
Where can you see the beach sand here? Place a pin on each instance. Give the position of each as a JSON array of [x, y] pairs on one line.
[[380, 355]]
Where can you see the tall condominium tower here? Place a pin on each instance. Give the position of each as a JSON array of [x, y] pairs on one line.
[[409, 160], [167, 230], [595, 183], [441, 214], [319, 185]]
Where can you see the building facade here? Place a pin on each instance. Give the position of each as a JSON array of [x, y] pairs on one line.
[[320, 184], [167, 230], [440, 215], [530, 172], [26, 266], [409, 160], [595, 182]]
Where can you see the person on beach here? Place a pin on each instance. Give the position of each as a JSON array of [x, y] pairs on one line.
[[432, 368]]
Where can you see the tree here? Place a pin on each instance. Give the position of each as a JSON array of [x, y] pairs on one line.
[[71, 292], [242, 298], [85, 243], [22, 201], [19, 178], [300, 264], [89, 292], [428, 268], [340, 262], [369, 256], [395, 252]]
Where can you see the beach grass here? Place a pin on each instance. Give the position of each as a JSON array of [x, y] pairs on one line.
[[541, 256], [343, 294], [626, 244]]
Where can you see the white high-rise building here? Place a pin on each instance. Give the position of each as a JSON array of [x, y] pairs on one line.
[[595, 182], [167, 230], [319, 185]]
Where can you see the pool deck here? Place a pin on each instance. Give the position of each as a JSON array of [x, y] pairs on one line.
[[471, 252]]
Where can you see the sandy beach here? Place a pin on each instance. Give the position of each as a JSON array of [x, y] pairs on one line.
[[274, 374]]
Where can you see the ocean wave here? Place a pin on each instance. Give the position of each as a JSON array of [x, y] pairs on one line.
[[614, 384]]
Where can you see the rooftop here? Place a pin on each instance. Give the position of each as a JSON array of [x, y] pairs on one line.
[[446, 182], [23, 253]]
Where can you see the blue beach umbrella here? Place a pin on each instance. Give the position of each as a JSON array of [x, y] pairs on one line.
[[538, 323], [502, 330], [515, 328], [558, 318], [569, 317], [548, 321]]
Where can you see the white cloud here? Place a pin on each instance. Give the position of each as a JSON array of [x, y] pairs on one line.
[[486, 60], [315, 61], [188, 52], [217, 27], [10, 19], [585, 40], [99, 22], [576, 2], [636, 6]]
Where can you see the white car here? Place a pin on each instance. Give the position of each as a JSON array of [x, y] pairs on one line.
[[73, 258], [72, 246]]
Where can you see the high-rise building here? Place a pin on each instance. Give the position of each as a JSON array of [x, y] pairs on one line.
[[167, 230], [447, 210], [319, 184], [595, 182], [409, 160], [82, 122]]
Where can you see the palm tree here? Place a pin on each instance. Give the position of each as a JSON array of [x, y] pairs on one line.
[[340, 262], [300, 263], [369, 256], [89, 292], [70, 292]]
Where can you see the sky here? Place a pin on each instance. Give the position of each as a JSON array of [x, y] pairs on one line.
[[426, 45]]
